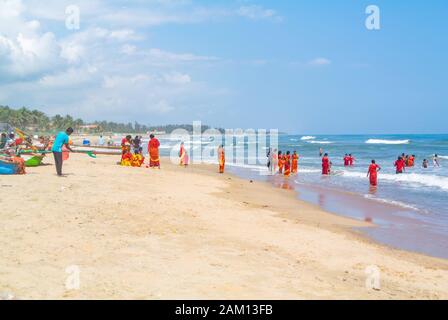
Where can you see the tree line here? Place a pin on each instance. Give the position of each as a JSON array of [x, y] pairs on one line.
[[37, 121]]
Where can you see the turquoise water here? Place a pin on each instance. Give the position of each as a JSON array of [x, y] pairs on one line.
[[410, 209]]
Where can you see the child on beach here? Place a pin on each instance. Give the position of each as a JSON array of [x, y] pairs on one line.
[[425, 164]]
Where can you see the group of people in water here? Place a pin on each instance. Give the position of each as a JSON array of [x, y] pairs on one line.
[[283, 163], [287, 164]]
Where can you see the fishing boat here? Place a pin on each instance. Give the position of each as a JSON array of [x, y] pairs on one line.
[[96, 150], [32, 160], [7, 167]]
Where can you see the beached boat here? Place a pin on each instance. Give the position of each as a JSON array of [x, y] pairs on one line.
[[96, 150], [32, 160], [98, 147], [7, 167]]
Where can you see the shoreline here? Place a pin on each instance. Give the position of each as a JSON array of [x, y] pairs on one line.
[[190, 233], [352, 226], [387, 216]]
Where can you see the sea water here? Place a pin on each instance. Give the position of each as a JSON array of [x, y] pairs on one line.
[[410, 209]]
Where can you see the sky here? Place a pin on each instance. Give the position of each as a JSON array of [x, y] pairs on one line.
[[309, 67]]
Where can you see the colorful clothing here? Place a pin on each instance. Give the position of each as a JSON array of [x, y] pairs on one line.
[[221, 160], [399, 165], [153, 148], [373, 174], [295, 163], [325, 165], [126, 159], [137, 160], [281, 162], [287, 165], [183, 155], [346, 160], [61, 139]]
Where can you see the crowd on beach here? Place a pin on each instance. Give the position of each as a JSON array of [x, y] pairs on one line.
[[282, 163]]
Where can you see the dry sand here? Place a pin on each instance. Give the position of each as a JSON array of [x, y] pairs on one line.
[[137, 233]]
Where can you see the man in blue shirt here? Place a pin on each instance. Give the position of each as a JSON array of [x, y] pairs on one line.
[[61, 140]]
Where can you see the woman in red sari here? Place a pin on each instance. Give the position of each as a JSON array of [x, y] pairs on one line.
[[325, 164], [295, 162], [221, 158], [287, 164], [373, 173], [153, 149]]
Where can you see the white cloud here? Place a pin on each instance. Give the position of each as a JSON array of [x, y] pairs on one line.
[[179, 57], [177, 78], [255, 12], [319, 62]]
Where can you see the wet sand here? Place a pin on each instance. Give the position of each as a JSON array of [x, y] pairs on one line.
[[396, 226], [189, 233]]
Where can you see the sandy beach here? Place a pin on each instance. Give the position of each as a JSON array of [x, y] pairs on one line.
[[175, 233]]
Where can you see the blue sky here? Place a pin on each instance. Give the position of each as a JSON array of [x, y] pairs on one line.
[[299, 66]]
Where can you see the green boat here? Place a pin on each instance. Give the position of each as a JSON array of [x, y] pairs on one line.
[[32, 160]]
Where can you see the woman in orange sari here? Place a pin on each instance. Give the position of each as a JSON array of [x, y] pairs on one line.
[[287, 164], [295, 162], [280, 162], [153, 149], [221, 158]]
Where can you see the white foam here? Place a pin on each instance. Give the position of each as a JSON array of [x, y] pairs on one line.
[[382, 141], [442, 157], [307, 138], [393, 202], [319, 142], [428, 180]]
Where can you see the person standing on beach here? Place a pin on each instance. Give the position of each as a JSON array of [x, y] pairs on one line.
[[221, 158], [325, 164], [153, 149], [183, 156], [287, 164], [295, 162], [399, 165], [274, 165], [425, 164], [372, 172], [269, 156], [62, 139], [101, 141], [321, 152]]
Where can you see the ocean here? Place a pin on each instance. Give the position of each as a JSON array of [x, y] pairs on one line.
[[410, 210]]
